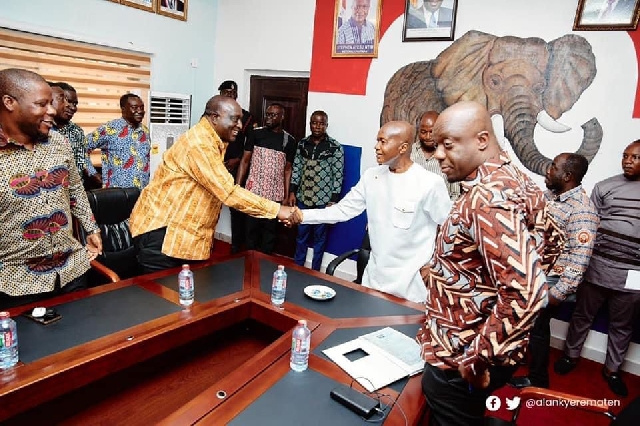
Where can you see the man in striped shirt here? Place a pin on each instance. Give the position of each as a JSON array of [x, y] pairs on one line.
[[175, 217], [424, 148]]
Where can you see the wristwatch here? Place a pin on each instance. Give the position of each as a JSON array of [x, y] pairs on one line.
[[96, 231]]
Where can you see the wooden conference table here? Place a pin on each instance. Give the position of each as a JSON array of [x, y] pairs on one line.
[[128, 353]]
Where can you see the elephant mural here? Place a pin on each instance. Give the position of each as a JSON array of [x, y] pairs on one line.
[[522, 82]]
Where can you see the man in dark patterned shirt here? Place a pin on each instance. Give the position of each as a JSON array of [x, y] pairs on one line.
[[65, 101], [485, 282], [316, 183], [40, 191], [577, 217]]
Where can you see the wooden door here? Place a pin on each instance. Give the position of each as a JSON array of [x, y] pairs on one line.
[[292, 93]]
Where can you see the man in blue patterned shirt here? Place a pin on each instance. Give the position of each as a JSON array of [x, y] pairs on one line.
[[576, 216], [316, 183], [125, 146]]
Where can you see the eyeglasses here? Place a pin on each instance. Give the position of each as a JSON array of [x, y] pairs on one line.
[[271, 114]]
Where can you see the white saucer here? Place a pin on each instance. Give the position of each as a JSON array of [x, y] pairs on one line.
[[319, 292]]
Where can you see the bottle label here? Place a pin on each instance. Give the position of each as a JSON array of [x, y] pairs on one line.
[[186, 284], [296, 344], [6, 339]]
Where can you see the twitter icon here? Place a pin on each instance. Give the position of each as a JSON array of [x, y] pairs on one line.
[[512, 404]]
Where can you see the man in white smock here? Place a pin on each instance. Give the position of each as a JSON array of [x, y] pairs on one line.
[[404, 204]]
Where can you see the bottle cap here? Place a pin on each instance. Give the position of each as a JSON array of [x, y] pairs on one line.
[[281, 267], [4, 315], [302, 322], [185, 266]]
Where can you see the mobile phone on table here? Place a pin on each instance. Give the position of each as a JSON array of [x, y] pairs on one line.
[[48, 316]]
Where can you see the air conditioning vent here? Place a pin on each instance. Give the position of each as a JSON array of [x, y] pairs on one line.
[[170, 115], [169, 108]]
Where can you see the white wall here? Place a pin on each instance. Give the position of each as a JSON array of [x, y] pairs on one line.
[[173, 43], [257, 37]]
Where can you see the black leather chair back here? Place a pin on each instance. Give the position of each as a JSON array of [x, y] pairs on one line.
[[362, 258], [112, 208]]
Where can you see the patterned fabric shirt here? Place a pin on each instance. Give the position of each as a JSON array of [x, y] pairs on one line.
[[317, 172], [187, 193], [577, 218], [125, 154], [271, 151], [350, 33], [78, 141], [617, 247], [486, 282], [40, 190], [433, 165]]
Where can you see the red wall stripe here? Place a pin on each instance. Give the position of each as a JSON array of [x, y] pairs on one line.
[[341, 75]]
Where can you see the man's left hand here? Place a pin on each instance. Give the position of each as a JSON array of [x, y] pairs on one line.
[[479, 381], [94, 245]]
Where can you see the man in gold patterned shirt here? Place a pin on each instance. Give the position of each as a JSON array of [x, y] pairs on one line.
[[175, 217]]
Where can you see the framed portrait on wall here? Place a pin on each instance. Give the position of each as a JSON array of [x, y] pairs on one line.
[[173, 8], [606, 15], [148, 5], [356, 28], [426, 20]]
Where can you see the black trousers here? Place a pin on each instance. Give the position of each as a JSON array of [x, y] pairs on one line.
[[238, 227], [539, 347], [149, 252], [450, 400], [79, 283], [261, 234]]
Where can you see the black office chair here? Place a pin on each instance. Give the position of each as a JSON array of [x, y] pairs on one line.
[[111, 208], [361, 261]]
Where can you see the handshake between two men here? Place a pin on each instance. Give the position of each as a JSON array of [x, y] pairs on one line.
[[290, 216]]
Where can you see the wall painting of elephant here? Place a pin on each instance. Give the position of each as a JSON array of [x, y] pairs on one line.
[[522, 82]]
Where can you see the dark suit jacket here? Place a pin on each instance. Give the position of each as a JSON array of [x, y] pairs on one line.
[[445, 18]]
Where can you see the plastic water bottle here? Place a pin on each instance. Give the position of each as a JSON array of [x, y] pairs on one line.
[[300, 343], [278, 286], [8, 341], [186, 287]]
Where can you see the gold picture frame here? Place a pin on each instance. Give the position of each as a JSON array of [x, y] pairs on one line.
[[356, 30], [602, 15], [176, 9], [423, 22], [148, 5]]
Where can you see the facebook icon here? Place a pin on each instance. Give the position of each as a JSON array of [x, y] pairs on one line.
[[493, 403]]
